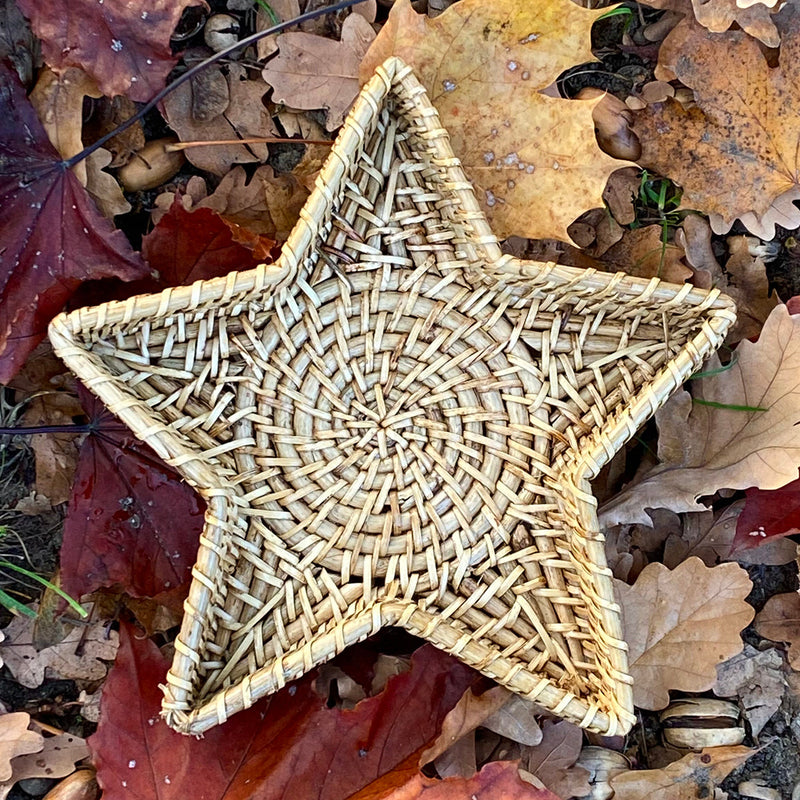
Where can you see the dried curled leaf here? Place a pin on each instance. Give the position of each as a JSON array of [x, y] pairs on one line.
[[754, 18], [680, 624], [79, 655]]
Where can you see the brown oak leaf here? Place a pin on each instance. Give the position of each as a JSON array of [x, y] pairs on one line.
[[741, 431], [680, 624], [79, 655], [55, 758], [122, 44], [736, 150], [695, 775], [15, 740], [316, 72], [779, 621], [534, 159]]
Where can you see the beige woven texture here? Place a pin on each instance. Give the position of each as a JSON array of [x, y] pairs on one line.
[[396, 424]]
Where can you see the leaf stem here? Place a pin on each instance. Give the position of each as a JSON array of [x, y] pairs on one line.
[[190, 73]]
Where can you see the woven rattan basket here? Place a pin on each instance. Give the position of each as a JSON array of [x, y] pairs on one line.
[[395, 424]]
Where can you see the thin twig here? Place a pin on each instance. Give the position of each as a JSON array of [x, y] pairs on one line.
[[172, 148]]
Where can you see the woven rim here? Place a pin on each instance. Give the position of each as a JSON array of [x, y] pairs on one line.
[[387, 428]]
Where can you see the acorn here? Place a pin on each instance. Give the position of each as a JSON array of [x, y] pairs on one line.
[[695, 723], [81, 785], [602, 765], [151, 166]]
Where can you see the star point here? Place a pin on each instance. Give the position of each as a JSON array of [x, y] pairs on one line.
[[396, 424]]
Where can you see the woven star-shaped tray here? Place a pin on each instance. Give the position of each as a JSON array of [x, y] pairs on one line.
[[396, 424]]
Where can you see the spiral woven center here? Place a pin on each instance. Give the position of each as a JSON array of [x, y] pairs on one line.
[[392, 426]]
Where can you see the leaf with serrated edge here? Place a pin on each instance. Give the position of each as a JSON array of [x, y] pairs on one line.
[[534, 159], [711, 448], [680, 624]]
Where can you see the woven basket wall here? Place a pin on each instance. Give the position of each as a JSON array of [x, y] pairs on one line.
[[396, 424]]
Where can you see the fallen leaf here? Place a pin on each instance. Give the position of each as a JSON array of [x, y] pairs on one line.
[[282, 9], [186, 246], [80, 655], [779, 621], [516, 720], [680, 624], [107, 115], [498, 779], [534, 160], [704, 536], [595, 232], [120, 527], [756, 679], [643, 253], [55, 759], [103, 186], [241, 114], [744, 278], [782, 211], [53, 237], [290, 745], [58, 101], [695, 775], [735, 151], [552, 761], [768, 514], [468, 713], [124, 46], [16, 740], [56, 454], [704, 448], [719, 15], [267, 204], [749, 287], [315, 72]]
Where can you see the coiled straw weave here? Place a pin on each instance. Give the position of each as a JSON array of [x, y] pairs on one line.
[[395, 424]]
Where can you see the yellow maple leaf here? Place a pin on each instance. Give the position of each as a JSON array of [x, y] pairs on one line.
[[534, 159]]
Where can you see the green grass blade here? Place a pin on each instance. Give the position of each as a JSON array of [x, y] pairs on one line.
[[13, 604], [729, 406], [60, 592]]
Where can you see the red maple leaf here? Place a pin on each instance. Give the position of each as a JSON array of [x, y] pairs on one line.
[[767, 513], [187, 246], [52, 236], [132, 523], [123, 45], [498, 780], [290, 745]]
